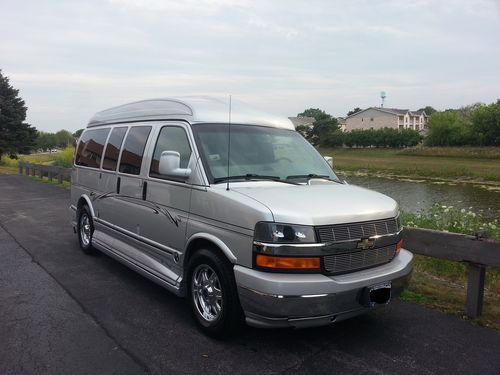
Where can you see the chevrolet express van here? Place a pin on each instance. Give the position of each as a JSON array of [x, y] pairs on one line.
[[235, 210]]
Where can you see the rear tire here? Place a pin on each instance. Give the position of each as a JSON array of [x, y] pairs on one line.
[[85, 230], [213, 295]]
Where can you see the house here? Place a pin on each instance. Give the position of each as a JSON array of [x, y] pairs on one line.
[[378, 118], [342, 123]]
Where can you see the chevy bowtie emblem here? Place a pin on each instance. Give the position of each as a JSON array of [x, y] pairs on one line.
[[365, 244]]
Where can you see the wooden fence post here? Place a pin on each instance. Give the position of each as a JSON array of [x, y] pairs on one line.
[[475, 290]]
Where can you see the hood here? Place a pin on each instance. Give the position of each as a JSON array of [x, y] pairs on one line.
[[322, 204]]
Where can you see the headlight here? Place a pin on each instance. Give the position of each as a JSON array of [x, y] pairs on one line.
[[284, 233]]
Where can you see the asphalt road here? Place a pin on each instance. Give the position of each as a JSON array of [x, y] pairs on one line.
[[62, 312]]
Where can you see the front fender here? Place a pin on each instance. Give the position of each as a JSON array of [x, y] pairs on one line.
[[88, 201], [216, 241]]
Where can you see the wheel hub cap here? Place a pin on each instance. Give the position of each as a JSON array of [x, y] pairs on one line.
[[207, 293]]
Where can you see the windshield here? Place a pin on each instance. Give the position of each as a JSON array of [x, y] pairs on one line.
[[258, 153]]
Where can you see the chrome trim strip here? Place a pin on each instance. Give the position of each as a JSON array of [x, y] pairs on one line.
[[164, 281], [266, 244], [137, 237], [322, 244], [282, 296]]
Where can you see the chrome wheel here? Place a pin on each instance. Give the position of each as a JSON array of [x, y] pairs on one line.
[[206, 292], [85, 229]]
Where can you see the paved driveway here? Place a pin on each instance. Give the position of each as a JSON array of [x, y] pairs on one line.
[[62, 312]]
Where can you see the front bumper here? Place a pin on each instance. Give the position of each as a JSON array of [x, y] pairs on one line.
[[304, 300]]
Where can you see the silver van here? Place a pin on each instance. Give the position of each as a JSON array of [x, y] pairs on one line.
[[235, 210]]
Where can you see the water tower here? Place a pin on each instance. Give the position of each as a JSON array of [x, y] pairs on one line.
[[382, 96]]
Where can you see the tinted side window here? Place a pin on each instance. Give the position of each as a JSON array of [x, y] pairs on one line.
[[90, 148], [133, 149], [113, 149], [171, 138]]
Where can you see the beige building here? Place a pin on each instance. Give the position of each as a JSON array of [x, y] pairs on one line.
[[378, 118], [342, 123]]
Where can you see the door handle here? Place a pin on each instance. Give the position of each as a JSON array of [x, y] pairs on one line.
[[144, 190], [118, 185]]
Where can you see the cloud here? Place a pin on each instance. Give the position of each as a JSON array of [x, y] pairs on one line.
[[184, 5], [77, 57]]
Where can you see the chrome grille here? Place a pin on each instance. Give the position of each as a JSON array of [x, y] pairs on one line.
[[356, 231], [347, 262]]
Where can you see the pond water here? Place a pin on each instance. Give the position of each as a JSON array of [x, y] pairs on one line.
[[416, 195]]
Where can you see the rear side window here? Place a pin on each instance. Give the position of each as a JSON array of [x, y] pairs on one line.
[[113, 149], [90, 148], [133, 149], [171, 138]]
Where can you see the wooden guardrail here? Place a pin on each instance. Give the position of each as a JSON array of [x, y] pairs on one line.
[[476, 251], [62, 174]]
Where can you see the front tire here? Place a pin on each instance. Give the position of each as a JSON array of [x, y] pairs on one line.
[[85, 230], [213, 295]]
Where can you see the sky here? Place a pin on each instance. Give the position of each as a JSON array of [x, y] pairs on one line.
[[70, 59]]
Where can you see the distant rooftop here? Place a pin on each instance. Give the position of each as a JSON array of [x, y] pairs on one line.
[[394, 111]]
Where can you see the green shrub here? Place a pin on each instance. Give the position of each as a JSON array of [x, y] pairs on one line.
[[452, 219], [6, 161], [456, 220], [385, 137], [65, 157]]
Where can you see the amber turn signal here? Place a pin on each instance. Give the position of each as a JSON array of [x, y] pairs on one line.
[[287, 262], [399, 245]]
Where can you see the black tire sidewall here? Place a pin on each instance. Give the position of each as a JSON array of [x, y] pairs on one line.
[[230, 317], [88, 249]]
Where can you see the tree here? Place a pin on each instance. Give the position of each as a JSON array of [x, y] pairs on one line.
[[355, 110], [428, 110], [78, 133], [16, 136], [64, 138], [485, 121], [448, 129], [316, 113], [466, 111], [46, 141], [323, 125]]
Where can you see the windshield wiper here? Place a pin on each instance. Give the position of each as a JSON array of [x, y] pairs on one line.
[[310, 176], [252, 177]]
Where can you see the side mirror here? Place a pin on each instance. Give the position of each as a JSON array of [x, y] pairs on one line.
[[170, 162], [329, 160]]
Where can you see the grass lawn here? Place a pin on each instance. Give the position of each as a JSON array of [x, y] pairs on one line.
[[405, 163], [442, 285], [9, 166]]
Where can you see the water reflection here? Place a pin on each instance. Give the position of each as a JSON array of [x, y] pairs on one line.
[[416, 195]]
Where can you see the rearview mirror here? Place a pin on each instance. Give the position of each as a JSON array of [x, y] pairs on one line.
[[329, 160], [170, 162]]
